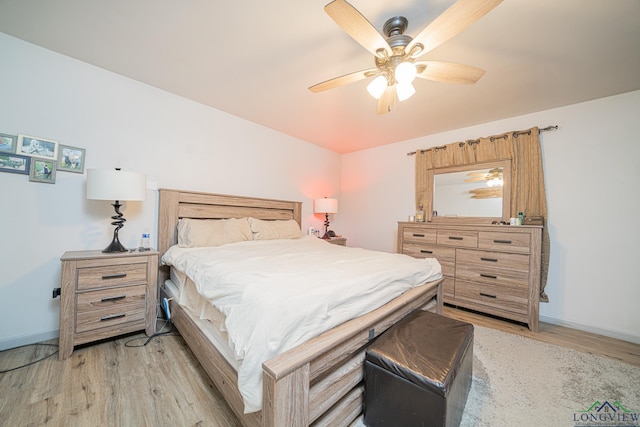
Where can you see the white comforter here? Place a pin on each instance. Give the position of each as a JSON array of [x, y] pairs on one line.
[[276, 294]]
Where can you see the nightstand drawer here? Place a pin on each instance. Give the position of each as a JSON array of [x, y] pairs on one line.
[[110, 298], [112, 275], [108, 308]]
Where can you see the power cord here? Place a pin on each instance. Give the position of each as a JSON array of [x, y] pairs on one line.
[[33, 362], [149, 338]]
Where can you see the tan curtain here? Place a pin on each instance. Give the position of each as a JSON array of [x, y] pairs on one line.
[[527, 179]]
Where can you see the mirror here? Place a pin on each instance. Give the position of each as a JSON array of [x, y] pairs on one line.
[[477, 191]]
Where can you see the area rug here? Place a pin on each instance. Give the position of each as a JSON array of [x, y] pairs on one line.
[[518, 381]]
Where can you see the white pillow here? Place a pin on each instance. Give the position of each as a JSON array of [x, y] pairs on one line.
[[277, 229], [195, 233]]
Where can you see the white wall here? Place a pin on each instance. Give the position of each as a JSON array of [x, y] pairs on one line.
[[592, 174], [121, 123], [592, 169]]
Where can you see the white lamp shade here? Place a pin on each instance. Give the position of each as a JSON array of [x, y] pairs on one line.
[[405, 91], [405, 72], [112, 184], [377, 86], [325, 206]]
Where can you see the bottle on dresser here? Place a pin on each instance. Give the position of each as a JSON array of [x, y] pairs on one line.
[[420, 214]]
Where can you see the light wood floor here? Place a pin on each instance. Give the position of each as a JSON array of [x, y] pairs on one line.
[[162, 384]]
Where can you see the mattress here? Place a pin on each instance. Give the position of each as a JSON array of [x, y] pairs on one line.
[[276, 294], [208, 318]]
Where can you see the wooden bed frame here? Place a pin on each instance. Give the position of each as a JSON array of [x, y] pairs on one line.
[[318, 382]]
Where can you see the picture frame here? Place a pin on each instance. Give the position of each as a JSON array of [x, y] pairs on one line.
[[42, 170], [14, 163], [37, 147], [8, 143], [71, 159]]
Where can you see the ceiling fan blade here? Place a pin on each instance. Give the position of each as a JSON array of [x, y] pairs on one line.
[[387, 100], [451, 22], [343, 80], [448, 72], [357, 26]]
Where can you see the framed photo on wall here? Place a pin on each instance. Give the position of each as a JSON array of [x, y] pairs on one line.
[[8, 143], [71, 159], [42, 170], [14, 163], [37, 147]]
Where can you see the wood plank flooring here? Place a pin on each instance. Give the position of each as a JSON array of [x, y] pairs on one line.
[[162, 384]]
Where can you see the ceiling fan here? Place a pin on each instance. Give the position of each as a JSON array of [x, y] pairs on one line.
[[396, 63], [493, 177]]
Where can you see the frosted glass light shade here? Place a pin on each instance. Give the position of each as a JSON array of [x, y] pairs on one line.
[[377, 86], [325, 206], [112, 184], [405, 91], [405, 72]]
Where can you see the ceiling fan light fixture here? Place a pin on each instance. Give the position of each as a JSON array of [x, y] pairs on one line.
[[405, 90], [405, 72], [377, 86]]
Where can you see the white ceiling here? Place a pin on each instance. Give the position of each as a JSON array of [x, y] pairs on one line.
[[256, 59]]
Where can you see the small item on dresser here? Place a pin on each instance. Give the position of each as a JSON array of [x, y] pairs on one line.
[[420, 214], [514, 221], [412, 218], [521, 218], [146, 240]]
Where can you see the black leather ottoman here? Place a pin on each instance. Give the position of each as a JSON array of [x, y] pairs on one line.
[[418, 372]]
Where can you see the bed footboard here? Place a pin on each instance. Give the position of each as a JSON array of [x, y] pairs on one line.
[[318, 382]]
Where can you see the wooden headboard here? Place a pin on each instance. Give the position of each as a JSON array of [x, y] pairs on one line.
[[176, 204]]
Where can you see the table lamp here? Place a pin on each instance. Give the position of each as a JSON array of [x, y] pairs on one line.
[[117, 185], [325, 206]]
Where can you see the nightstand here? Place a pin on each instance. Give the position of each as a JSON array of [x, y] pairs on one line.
[[105, 295], [342, 241]]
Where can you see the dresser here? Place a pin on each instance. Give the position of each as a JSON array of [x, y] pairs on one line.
[[105, 295], [493, 269]]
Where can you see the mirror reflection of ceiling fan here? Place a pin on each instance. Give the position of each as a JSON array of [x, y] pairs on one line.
[[396, 56], [492, 176]]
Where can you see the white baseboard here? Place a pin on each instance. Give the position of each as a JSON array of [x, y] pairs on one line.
[[14, 342], [592, 329]]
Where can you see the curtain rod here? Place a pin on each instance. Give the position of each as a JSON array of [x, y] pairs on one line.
[[540, 130]]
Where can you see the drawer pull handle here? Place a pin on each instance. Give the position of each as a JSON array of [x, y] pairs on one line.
[[482, 294], [114, 276], [417, 235], [424, 251], [488, 259], [117, 297], [113, 316], [488, 276], [455, 238], [507, 242]]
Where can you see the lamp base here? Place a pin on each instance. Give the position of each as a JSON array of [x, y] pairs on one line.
[[115, 245]]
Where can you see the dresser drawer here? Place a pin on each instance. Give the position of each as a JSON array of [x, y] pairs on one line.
[[493, 267], [420, 235], [110, 308], [514, 299], [111, 275], [445, 256], [448, 287], [504, 241], [461, 239]]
